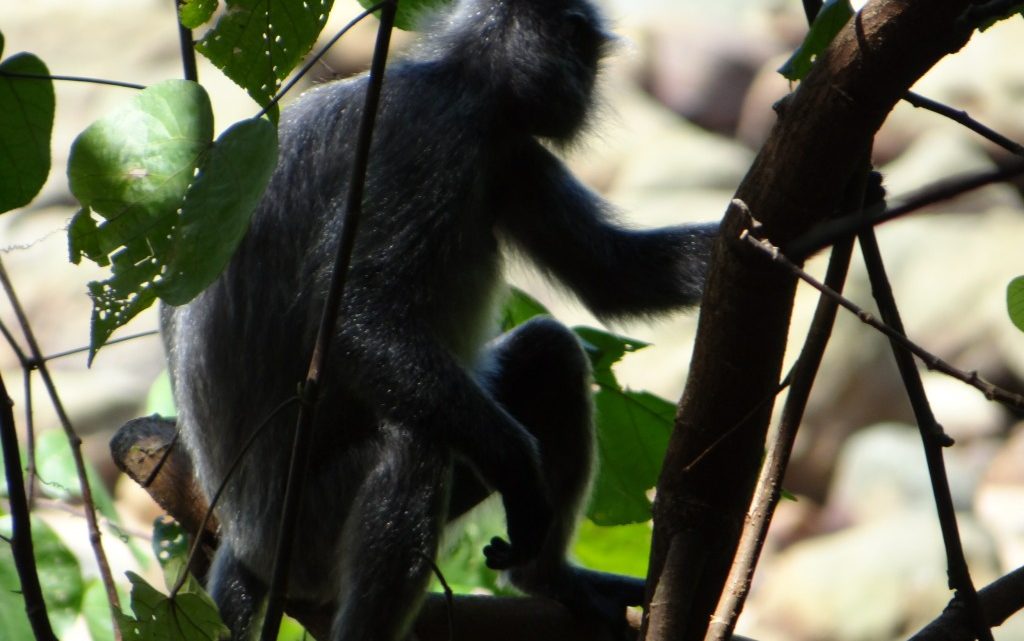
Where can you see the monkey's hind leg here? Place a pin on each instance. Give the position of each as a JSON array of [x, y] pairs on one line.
[[541, 376], [237, 592], [390, 539]]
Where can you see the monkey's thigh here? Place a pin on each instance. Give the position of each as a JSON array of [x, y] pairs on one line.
[[390, 538], [539, 373]]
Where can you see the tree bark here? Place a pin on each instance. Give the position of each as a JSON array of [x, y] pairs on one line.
[[824, 130]]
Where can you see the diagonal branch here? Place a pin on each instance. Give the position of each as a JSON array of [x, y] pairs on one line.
[[1013, 400], [797, 179]]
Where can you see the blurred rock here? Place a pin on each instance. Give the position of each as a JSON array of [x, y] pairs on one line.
[[873, 582], [964, 413], [1000, 500], [937, 155], [949, 274], [702, 68], [881, 472]]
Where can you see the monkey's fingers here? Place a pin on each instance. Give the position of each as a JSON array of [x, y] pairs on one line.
[[501, 555]]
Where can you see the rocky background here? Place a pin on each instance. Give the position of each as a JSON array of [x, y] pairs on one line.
[[687, 100]]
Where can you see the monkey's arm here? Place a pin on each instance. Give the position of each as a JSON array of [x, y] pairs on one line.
[[571, 233]]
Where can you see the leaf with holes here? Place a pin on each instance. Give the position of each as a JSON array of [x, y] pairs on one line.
[[162, 204], [130, 171], [833, 15], [257, 43], [190, 616], [409, 12], [26, 122], [194, 13], [217, 208]]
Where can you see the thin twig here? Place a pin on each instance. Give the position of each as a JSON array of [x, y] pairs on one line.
[[21, 524], [31, 470], [961, 117], [931, 361], [80, 350], [93, 81], [325, 333], [187, 45], [999, 601], [449, 596], [75, 443], [931, 437], [283, 91], [827, 233], [208, 514]]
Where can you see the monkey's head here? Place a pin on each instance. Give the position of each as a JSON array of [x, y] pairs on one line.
[[537, 59]]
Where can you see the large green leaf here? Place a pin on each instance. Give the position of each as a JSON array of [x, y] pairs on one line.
[[59, 476], [833, 16], [191, 616], [217, 208], [26, 122], [623, 549], [633, 429], [257, 43], [161, 204], [60, 578]]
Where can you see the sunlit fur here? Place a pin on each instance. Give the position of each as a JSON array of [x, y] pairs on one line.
[[421, 416]]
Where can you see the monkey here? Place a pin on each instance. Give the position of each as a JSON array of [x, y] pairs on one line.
[[423, 410]]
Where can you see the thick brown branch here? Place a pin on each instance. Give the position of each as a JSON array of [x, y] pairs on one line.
[[796, 181]]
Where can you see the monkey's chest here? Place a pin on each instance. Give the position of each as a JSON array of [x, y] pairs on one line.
[[464, 313]]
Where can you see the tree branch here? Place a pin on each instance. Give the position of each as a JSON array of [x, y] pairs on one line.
[[797, 179]]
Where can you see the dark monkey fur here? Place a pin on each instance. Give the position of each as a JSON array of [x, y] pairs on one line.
[[421, 417]]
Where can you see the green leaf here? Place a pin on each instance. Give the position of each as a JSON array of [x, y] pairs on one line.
[[96, 611], [633, 429], [1015, 301], [131, 170], [160, 398], [217, 208], [622, 549], [833, 16], [57, 472], [161, 204], [26, 123], [191, 616], [605, 349], [257, 43], [194, 13], [461, 563], [13, 620], [409, 12], [59, 576], [519, 308]]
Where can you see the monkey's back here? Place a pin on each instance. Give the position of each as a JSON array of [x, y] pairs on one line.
[[242, 346]]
